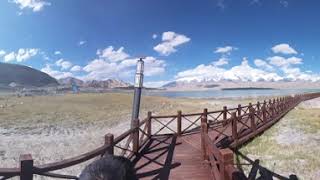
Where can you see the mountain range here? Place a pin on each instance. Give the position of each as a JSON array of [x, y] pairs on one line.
[[109, 83], [14, 75]]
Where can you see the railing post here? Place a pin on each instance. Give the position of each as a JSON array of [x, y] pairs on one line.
[[249, 108], [135, 135], [239, 109], [270, 107], [252, 119], [179, 117], [204, 117], [26, 167], [274, 107], [264, 113], [204, 132], [149, 124], [234, 126], [277, 105], [225, 111], [226, 160], [108, 141]]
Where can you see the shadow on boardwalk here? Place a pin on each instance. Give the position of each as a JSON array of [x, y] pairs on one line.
[[163, 148]]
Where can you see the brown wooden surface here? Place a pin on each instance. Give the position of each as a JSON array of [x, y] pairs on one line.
[[172, 157]]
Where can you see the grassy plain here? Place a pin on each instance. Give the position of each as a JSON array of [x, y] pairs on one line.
[[83, 109]]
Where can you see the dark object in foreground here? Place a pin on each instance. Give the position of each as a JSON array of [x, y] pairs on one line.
[[109, 168]]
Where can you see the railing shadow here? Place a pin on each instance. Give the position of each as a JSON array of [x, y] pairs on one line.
[[159, 165], [264, 173]]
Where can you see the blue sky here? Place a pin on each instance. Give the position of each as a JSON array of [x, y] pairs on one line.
[[245, 40]]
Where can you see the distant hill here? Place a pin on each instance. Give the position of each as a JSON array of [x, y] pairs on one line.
[[19, 75], [70, 80], [106, 84]]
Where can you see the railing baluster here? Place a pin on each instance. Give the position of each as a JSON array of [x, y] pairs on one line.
[[234, 127], [179, 117], [258, 108], [149, 124]]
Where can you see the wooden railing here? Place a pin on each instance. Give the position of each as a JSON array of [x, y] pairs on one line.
[[244, 124], [232, 127]]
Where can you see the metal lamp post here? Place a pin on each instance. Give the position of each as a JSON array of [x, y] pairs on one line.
[[138, 84]]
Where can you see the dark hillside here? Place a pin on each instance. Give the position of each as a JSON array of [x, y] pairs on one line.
[[24, 76]]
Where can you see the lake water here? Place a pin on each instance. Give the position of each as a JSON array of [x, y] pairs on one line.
[[229, 93]]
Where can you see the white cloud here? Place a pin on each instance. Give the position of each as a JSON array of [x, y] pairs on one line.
[[222, 61], [9, 57], [21, 55], [24, 54], [102, 69], [294, 74], [57, 53], [243, 72], [284, 3], [263, 64], [154, 36], [64, 64], [76, 68], [35, 5], [170, 40], [201, 73], [80, 43], [112, 63], [110, 54], [2, 53], [281, 61], [284, 49], [225, 50], [54, 73], [154, 66]]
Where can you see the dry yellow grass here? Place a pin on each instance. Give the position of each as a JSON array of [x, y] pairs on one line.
[[81, 109]]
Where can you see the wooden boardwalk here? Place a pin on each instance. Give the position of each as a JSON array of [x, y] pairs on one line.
[[181, 157], [172, 157]]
